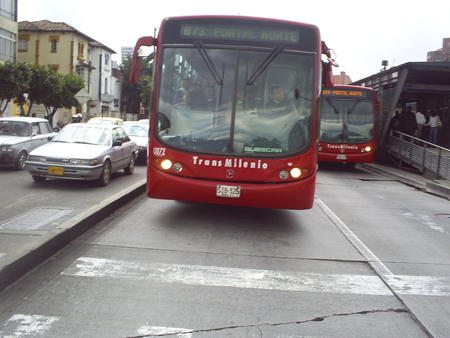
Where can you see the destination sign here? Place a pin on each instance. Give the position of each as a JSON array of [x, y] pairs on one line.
[[234, 32], [346, 93]]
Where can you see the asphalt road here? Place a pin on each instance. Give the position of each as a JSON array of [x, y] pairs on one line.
[[370, 259], [20, 194]]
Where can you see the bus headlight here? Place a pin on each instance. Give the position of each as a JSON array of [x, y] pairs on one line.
[[177, 167], [366, 149], [166, 164], [284, 174], [296, 172]]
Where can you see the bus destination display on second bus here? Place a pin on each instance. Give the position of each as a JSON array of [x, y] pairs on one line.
[[248, 33], [346, 93]]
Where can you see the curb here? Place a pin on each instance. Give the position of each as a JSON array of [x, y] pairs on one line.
[[16, 265], [432, 187]]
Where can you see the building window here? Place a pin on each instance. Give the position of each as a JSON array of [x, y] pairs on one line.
[[106, 86], [81, 49], [106, 59], [23, 42], [7, 45], [8, 9], [53, 39]]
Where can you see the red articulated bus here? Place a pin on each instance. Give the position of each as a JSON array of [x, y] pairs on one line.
[[347, 125], [234, 110]]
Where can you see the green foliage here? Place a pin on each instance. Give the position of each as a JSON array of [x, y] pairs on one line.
[[133, 95], [42, 85], [14, 80]]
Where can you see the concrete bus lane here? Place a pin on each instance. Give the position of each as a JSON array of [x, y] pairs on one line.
[[405, 234], [167, 268]]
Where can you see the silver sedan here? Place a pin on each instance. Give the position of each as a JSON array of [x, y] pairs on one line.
[[19, 136], [83, 151]]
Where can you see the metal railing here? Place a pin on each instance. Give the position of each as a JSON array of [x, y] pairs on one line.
[[426, 157]]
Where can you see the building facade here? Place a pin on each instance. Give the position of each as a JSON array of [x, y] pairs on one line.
[[8, 30], [442, 54], [66, 50]]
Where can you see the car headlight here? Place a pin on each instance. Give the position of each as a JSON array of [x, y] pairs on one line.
[[36, 158], [83, 161], [7, 149]]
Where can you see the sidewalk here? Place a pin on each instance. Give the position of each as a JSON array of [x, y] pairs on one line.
[[21, 253], [440, 188]]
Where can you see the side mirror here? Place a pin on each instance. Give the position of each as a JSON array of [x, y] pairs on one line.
[[163, 122], [117, 143]]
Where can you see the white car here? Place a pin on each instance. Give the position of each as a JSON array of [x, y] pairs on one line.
[[20, 135], [84, 151], [138, 132]]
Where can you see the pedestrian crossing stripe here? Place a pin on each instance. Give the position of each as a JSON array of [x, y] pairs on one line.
[[259, 279]]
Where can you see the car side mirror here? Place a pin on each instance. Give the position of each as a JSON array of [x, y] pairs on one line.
[[117, 143]]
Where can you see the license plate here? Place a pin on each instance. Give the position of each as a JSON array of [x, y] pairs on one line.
[[228, 191], [55, 171], [341, 157]]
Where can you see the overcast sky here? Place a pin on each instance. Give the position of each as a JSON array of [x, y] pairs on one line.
[[361, 33]]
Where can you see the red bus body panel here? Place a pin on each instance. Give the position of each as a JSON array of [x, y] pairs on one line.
[[293, 195], [329, 152], [333, 152], [262, 188]]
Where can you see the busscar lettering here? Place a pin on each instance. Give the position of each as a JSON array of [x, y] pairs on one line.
[[230, 163]]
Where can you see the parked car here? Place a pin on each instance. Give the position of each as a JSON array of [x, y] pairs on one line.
[[106, 120], [84, 151], [138, 132], [20, 135]]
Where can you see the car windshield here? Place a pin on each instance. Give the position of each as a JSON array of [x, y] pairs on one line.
[[140, 130], [87, 134], [14, 128], [104, 121]]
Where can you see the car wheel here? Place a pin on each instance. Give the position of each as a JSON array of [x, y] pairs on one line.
[[38, 179], [103, 180], [20, 164], [130, 168]]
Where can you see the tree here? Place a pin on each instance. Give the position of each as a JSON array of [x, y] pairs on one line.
[[14, 80], [62, 95], [43, 83], [135, 94]]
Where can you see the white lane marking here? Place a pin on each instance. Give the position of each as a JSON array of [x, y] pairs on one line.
[[373, 260], [21, 325], [426, 220], [405, 285], [162, 330], [419, 285], [229, 277]]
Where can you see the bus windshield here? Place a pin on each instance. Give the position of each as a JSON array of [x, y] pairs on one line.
[[346, 121], [250, 101]]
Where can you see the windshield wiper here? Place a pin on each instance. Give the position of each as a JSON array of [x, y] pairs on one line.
[[262, 67], [353, 107], [208, 62], [331, 103]]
